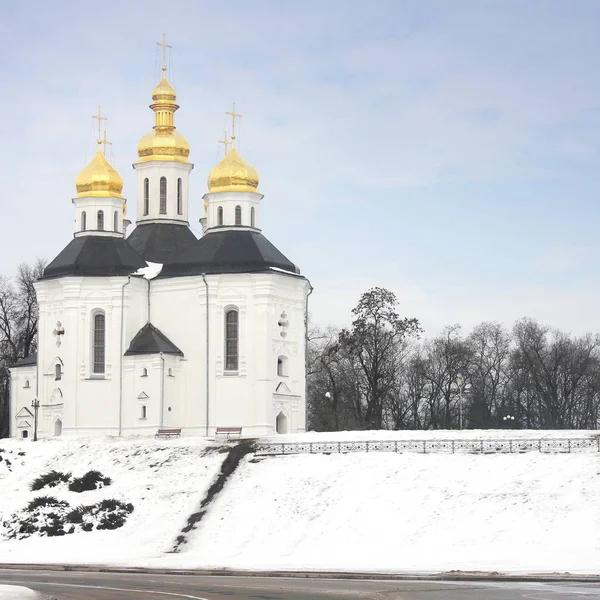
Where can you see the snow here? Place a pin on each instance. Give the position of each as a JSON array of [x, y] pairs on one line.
[[14, 592], [151, 271], [381, 512]]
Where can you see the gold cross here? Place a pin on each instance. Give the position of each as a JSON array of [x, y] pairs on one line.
[[104, 142], [233, 117], [100, 119], [224, 142], [164, 47]]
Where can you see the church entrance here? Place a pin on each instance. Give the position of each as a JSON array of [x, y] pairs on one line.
[[57, 427], [281, 423]]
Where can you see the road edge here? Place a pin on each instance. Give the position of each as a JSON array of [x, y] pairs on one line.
[[416, 576]]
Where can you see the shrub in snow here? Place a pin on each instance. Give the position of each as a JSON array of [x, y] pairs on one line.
[[92, 480], [47, 516], [51, 479]]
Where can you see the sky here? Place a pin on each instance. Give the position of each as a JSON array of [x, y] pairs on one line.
[[447, 151]]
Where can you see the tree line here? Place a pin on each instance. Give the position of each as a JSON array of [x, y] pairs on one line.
[[380, 373], [18, 328]]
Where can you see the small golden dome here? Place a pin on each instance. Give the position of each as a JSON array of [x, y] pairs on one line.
[[164, 142], [233, 174], [99, 179]]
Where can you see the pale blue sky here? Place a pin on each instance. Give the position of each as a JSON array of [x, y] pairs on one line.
[[446, 150]]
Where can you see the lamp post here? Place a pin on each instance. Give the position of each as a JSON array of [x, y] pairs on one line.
[[36, 405], [509, 419], [460, 384]]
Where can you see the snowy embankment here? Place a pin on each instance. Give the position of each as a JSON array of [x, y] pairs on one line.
[[383, 512], [14, 592]]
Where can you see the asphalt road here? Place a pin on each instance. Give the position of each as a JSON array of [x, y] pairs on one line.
[[117, 586]]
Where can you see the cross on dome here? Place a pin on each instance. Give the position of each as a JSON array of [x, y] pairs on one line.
[[234, 116], [164, 46]]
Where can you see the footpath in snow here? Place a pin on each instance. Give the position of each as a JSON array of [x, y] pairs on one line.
[[382, 512]]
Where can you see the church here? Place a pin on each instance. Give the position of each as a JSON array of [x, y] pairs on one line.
[[159, 329]]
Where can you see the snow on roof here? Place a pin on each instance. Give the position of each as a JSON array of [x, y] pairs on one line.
[[151, 271], [16, 592], [283, 271]]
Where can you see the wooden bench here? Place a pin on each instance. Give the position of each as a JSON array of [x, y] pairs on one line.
[[228, 432], [167, 433]]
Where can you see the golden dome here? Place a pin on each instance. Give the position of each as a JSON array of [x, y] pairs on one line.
[[99, 179], [233, 174], [164, 142]]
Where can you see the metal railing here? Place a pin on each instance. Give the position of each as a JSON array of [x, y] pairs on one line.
[[480, 446]]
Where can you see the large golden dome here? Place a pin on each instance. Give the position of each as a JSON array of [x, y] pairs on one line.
[[99, 179], [233, 174], [164, 142]]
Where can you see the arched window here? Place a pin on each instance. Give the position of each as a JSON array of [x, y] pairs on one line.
[[144, 411], [282, 366], [100, 225], [281, 423], [26, 383], [116, 220], [231, 339], [144, 372], [220, 215], [24, 434], [179, 197], [170, 372], [57, 372], [99, 344], [57, 427], [83, 221], [252, 217], [163, 195], [238, 215], [146, 196]]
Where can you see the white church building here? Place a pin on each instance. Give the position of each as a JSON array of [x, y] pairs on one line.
[[160, 329]]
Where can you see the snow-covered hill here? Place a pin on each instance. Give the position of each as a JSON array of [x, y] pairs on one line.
[[381, 512]]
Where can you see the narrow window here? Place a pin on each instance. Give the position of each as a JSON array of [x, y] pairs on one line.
[[282, 366], [170, 373], [26, 383], [146, 196], [163, 195], [220, 215], [252, 217], [83, 221], [238, 215], [144, 372], [231, 340], [99, 344], [116, 221], [25, 434], [57, 372], [179, 197], [144, 411], [100, 226]]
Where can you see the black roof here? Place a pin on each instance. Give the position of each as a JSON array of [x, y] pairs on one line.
[[150, 340], [228, 251], [161, 242], [95, 255], [28, 361]]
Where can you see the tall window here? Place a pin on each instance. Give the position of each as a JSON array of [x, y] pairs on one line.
[[220, 215], [57, 372], [163, 195], [238, 215], [231, 339], [252, 217], [100, 226], [99, 344], [146, 196], [116, 220], [83, 221], [179, 197]]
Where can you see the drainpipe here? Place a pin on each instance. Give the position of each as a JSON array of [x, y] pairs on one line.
[[306, 349], [148, 280], [207, 350], [162, 392], [121, 354]]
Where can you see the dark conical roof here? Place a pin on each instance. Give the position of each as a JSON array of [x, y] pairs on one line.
[[229, 251], [95, 255], [150, 340], [161, 242]]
